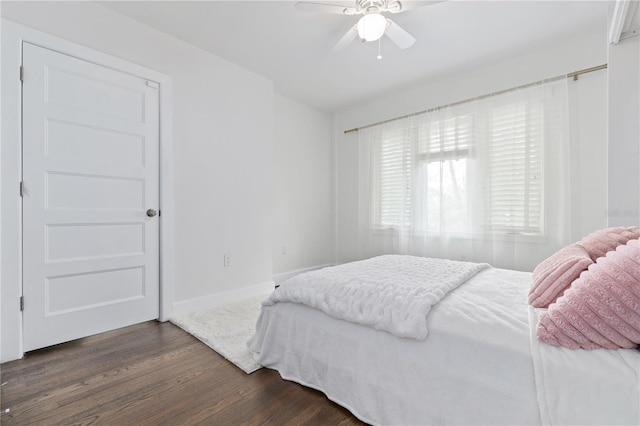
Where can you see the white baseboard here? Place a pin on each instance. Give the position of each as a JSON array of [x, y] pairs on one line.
[[283, 276], [218, 299]]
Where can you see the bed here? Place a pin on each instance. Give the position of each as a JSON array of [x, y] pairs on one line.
[[480, 361]]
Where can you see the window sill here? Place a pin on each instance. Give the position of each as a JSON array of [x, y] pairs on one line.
[[458, 236]]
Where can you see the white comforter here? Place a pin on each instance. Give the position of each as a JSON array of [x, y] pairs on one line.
[[392, 293], [474, 367]]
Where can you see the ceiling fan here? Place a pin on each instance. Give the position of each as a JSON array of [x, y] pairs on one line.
[[372, 25]]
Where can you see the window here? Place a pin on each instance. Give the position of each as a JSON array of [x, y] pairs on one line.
[[472, 169]]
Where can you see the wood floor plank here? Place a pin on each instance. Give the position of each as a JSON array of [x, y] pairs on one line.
[[152, 374]]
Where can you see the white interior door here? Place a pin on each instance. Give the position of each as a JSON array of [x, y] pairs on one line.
[[90, 173]]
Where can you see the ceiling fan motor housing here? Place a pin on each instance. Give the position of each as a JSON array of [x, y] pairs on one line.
[[365, 6]]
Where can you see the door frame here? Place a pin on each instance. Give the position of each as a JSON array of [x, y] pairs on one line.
[[13, 37]]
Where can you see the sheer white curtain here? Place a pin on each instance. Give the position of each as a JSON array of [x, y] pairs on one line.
[[486, 180]]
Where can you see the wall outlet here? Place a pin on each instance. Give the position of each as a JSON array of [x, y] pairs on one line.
[[227, 259], [284, 250]]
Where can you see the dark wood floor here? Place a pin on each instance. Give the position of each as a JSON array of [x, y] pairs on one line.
[[150, 374]]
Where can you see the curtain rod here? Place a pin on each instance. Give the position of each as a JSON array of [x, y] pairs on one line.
[[573, 75]]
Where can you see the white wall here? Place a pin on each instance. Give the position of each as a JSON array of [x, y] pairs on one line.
[[303, 188], [624, 132], [223, 153], [589, 140], [588, 148]]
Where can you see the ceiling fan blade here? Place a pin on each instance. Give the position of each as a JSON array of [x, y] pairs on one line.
[[398, 35], [324, 8], [404, 5], [346, 39]]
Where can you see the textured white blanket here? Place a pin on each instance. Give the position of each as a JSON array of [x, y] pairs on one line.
[[391, 293]]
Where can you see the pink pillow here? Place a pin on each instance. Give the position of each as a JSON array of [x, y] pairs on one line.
[[602, 307], [555, 274], [599, 243]]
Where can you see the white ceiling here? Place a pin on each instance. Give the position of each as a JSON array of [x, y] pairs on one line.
[[293, 48]]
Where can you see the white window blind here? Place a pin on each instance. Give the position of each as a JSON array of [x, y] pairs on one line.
[[514, 169], [393, 158]]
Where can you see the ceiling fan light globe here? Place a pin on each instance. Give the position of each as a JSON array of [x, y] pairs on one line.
[[371, 26]]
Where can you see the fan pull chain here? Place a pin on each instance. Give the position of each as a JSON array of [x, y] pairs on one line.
[[379, 54]]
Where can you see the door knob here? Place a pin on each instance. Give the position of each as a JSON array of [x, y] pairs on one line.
[[151, 213]]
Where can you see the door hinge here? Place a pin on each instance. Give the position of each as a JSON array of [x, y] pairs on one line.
[[22, 189], [21, 303], [153, 84], [21, 73]]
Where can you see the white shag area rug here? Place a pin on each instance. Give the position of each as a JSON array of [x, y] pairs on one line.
[[226, 329]]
